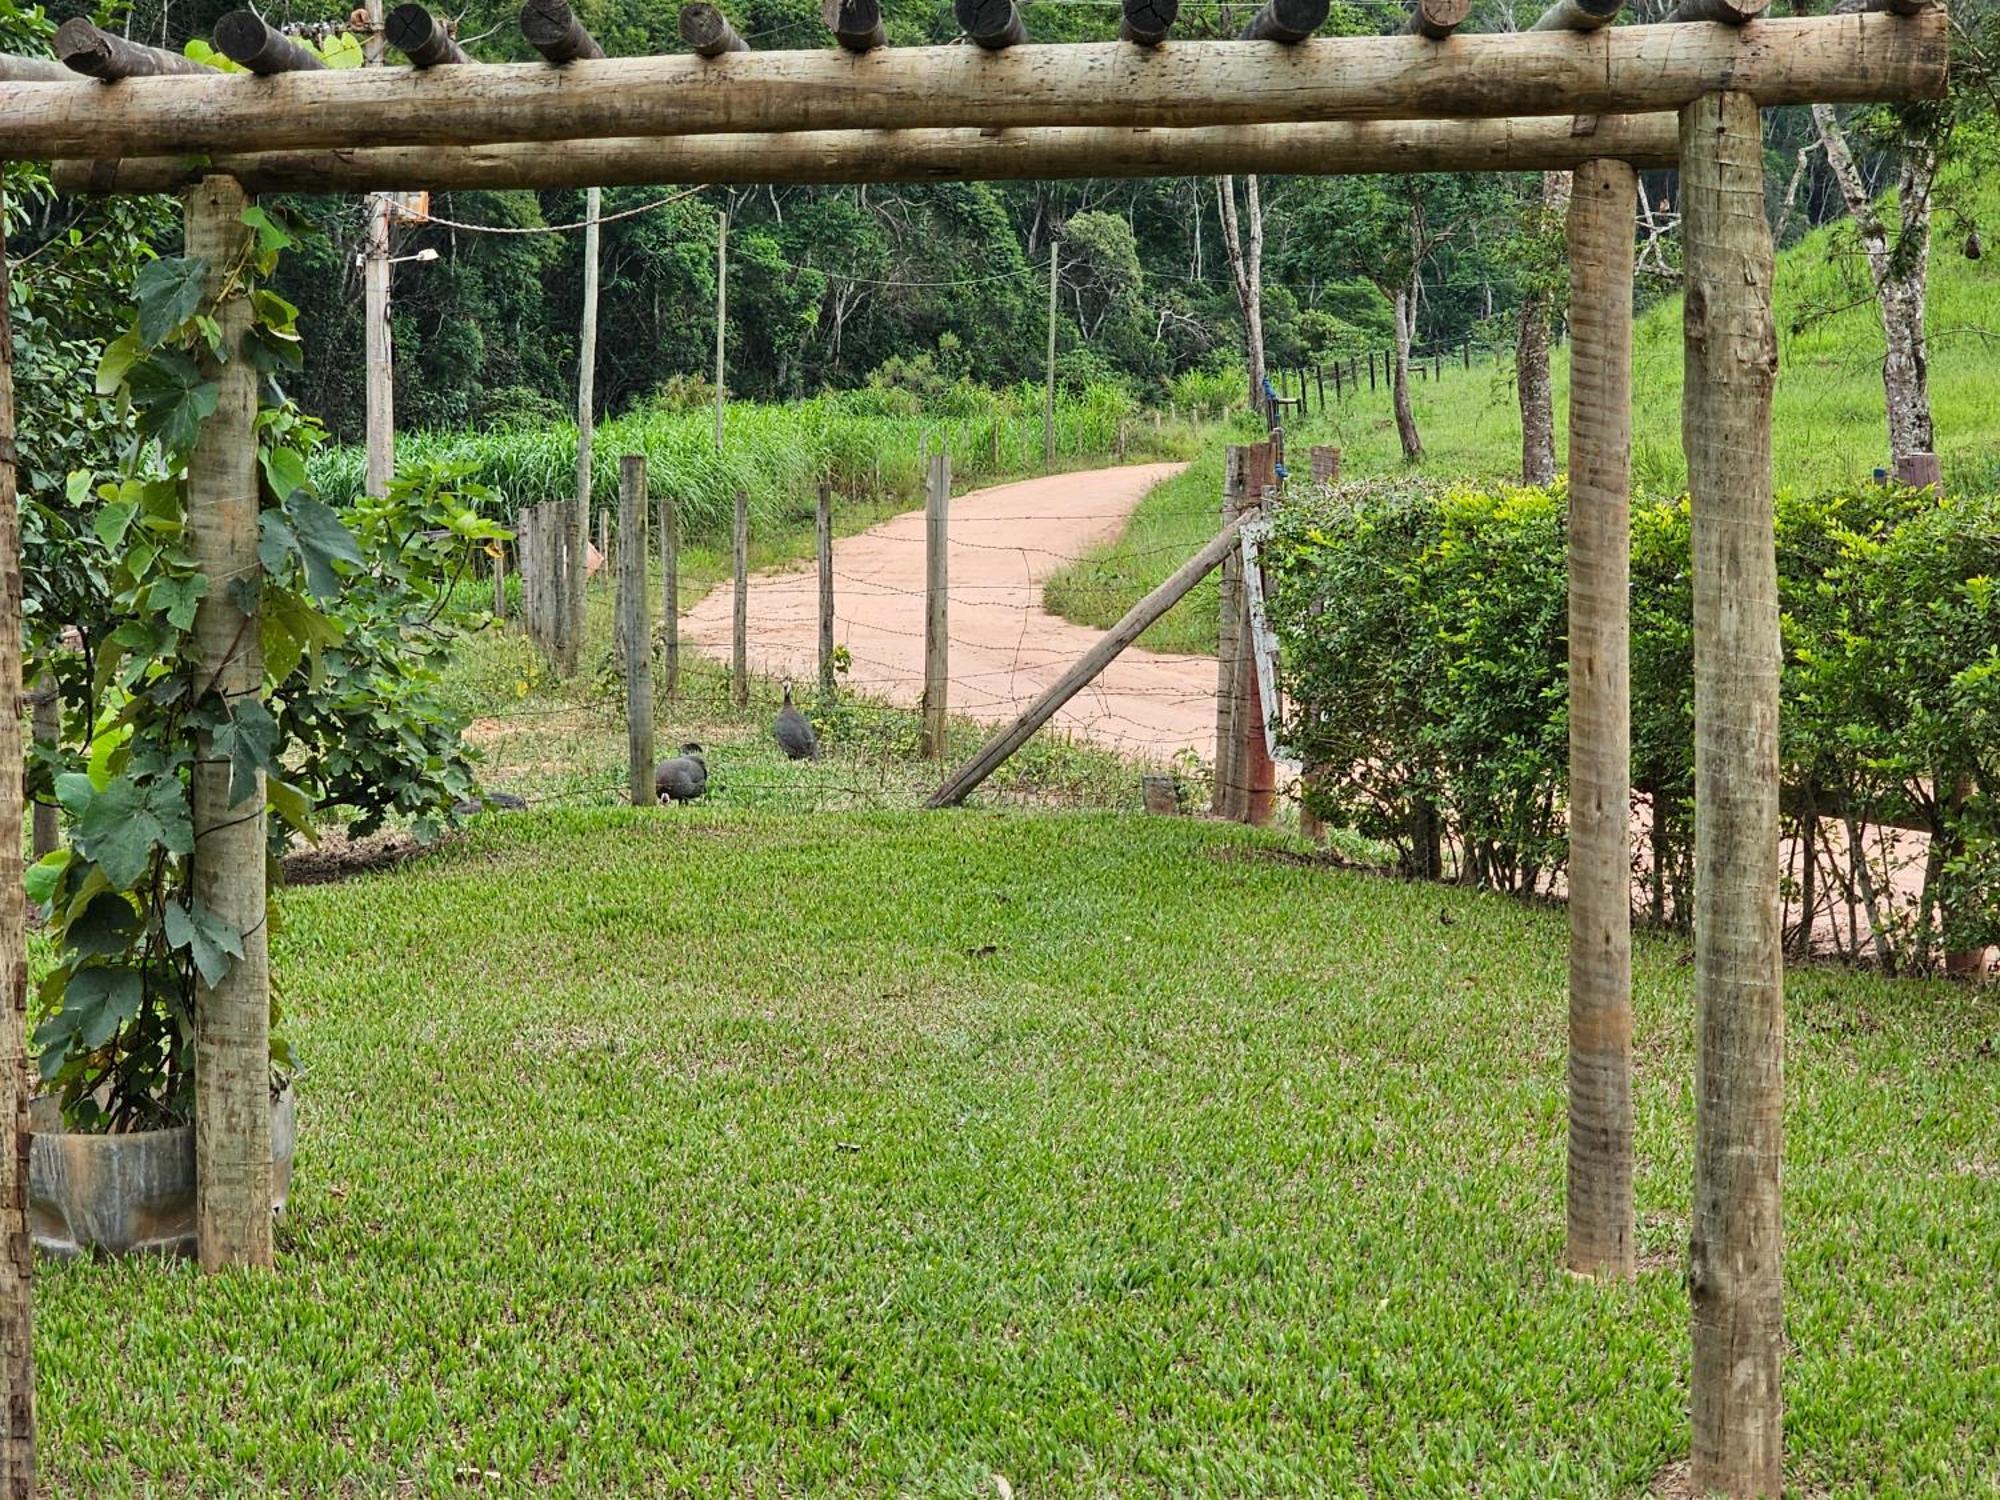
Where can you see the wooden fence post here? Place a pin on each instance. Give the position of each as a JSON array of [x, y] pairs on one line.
[[1229, 591], [17, 1254], [670, 592], [824, 527], [1601, 1229], [937, 604], [232, 1070], [1736, 1239], [739, 646], [1254, 765], [500, 579], [635, 624], [575, 623]]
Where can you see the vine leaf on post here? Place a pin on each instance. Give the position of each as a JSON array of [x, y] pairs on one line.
[[168, 293], [211, 942]]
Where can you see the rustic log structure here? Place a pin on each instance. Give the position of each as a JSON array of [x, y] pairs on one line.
[[707, 30], [17, 69], [1578, 15], [856, 24], [248, 40], [1621, 70], [552, 29], [1146, 23], [422, 38], [1286, 21], [994, 25], [1437, 19], [106, 56], [1546, 143]]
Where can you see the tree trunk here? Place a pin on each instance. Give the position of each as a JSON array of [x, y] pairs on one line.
[[17, 1259], [1734, 1274], [232, 1071], [1601, 1226], [1531, 357], [1246, 269], [1900, 273], [1406, 419]]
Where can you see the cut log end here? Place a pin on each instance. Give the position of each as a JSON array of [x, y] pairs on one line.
[[1578, 15], [82, 48], [245, 38], [1437, 19], [707, 31], [1286, 21], [993, 24], [552, 29], [1728, 12], [1147, 22], [422, 38], [855, 24]]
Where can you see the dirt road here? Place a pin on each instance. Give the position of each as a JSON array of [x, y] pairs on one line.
[[1005, 649]]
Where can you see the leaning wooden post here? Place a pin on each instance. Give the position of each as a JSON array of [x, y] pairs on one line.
[[1600, 742], [937, 604], [670, 593], [1257, 794], [635, 623], [1229, 593], [739, 648], [17, 1253], [232, 1069], [1737, 1236], [824, 526]]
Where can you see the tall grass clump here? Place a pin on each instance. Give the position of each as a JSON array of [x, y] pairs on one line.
[[866, 443]]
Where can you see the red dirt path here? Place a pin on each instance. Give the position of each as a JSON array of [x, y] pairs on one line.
[[1005, 648]]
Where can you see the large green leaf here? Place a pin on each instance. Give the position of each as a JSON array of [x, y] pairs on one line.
[[250, 740], [323, 540], [45, 874], [97, 1001], [168, 292], [177, 597], [211, 941], [122, 824], [171, 399]]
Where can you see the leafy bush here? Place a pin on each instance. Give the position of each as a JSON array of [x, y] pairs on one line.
[[1424, 635]]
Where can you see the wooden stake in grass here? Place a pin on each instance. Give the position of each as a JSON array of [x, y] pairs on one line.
[[1734, 1273], [17, 1254], [937, 603], [586, 428], [635, 623], [1224, 803], [1600, 754], [739, 646], [824, 528], [670, 592], [1255, 797], [232, 1069]]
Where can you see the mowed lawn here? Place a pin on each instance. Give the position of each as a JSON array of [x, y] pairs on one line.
[[650, 1153]]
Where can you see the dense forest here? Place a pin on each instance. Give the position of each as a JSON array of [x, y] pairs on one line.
[[920, 286]]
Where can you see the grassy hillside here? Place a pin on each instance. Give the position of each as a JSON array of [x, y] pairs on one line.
[[1828, 418], [650, 1153]]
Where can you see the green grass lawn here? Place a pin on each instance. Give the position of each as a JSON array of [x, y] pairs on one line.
[[1828, 422], [648, 1153]]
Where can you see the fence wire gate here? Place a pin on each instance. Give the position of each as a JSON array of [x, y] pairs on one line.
[[1150, 712]]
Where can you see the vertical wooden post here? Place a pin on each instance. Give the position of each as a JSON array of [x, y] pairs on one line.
[[17, 1254], [721, 315], [1229, 589], [824, 526], [575, 617], [232, 1069], [1254, 766], [1600, 743], [606, 546], [1049, 371], [1734, 1274], [635, 623], [937, 603], [739, 650], [379, 398], [500, 580], [670, 591]]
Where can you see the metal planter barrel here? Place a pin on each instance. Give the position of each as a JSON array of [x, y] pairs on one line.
[[128, 1194]]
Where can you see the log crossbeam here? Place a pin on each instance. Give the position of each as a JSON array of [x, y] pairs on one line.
[[1861, 58]]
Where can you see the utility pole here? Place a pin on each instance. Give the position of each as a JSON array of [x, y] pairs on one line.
[[721, 313], [380, 401], [586, 420], [1049, 394]]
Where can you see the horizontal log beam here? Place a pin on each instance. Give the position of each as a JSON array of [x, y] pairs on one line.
[[104, 55], [249, 41], [1619, 70], [1542, 143], [856, 24], [421, 37], [17, 69], [552, 29]]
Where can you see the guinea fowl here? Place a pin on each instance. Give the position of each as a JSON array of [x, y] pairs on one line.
[[794, 732], [683, 778]]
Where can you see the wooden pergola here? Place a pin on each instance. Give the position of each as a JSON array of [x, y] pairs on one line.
[[1573, 92]]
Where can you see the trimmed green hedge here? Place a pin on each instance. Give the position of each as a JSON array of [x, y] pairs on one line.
[[1424, 639]]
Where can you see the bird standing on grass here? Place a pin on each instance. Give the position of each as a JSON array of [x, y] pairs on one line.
[[683, 778], [794, 732]]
